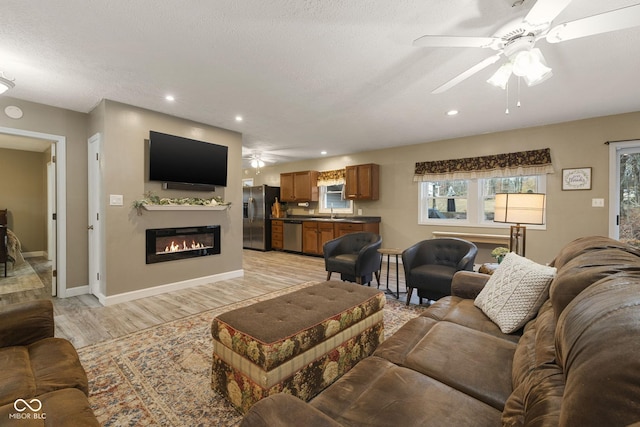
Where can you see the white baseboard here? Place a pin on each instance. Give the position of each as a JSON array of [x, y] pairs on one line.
[[169, 287], [34, 254], [78, 290]]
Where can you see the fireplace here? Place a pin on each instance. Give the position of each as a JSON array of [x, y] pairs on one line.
[[170, 244]]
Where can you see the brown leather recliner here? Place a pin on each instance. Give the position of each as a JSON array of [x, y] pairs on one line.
[[355, 256], [39, 370], [429, 265]]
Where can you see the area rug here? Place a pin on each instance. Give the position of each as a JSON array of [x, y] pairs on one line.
[[161, 376], [20, 278]]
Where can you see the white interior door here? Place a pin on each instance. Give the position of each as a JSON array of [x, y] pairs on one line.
[[95, 215], [51, 218], [624, 189]]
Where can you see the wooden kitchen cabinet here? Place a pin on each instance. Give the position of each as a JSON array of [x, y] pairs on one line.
[[340, 229], [299, 186], [362, 182], [315, 235], [277, 238]]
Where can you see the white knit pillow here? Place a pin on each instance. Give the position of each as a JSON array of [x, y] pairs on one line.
[[514, 293]]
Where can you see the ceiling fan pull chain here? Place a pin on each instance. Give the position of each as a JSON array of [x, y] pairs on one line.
[[518, 104], [506, 90]]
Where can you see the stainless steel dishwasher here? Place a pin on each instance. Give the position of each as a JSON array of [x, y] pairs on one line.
[[292, 236]]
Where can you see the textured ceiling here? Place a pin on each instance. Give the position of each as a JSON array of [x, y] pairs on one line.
[[307, 75]]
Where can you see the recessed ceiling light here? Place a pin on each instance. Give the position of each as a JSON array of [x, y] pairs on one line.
[[323, 152], [169, 98], [238, 118], [452, 112]]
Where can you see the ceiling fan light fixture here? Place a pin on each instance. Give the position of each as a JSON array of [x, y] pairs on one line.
[[257, 163], [531, 65], [501, 77], [538, 70], [5, 83]]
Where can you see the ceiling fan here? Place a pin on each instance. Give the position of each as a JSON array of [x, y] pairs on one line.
[[256, 160], [516, 41]]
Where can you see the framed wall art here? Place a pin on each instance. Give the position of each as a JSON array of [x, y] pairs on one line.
[[576, 179]]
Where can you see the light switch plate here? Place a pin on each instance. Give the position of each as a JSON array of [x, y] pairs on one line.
[[116, 199], [597, 203]]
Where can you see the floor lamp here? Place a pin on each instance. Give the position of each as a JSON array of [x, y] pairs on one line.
[[519, 208]]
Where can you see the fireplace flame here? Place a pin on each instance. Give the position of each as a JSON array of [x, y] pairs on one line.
[[177, 247]]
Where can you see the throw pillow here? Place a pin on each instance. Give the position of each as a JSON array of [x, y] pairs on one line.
[[515, 292]]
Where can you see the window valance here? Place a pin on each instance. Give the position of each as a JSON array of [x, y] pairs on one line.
[[333, 177], [534, 162]]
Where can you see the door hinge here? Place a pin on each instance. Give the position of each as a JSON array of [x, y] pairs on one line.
[[98, 276], [53, 159], [97, 217], [54, 273], [97, 156], [54, 216]]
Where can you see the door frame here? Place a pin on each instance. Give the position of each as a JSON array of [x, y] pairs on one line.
[[60, 262], [614, 174], [95, 216]]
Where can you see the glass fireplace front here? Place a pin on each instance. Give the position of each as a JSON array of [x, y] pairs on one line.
[[169, 244]]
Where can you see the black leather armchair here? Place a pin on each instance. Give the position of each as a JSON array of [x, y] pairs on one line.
[[429, 265], [355, 256]]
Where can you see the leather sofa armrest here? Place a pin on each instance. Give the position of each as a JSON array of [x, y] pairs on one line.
[[468, 284], [285, 410], [26, 323]]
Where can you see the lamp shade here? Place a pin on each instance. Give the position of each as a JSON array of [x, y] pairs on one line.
[[519, 208]]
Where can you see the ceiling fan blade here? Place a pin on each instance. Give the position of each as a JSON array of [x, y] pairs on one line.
[[457, 41], [618, 19], [545, 11], [466, 74]]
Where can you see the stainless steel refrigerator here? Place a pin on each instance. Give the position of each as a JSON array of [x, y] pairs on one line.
[[256, 222]]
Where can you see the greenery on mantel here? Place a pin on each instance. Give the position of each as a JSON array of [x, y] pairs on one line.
[[152, 199]]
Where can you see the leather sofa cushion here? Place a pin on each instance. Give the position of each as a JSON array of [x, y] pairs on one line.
[[16, 379], [462, 311], [372, 393], [537, 380], [585, 245], [586, 269], [598, 351], [465, 359], [47, 365]]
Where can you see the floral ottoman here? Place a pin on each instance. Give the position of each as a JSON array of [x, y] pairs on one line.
[[298, 343]]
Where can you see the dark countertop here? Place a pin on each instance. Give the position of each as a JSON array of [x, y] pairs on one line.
[[337, 219]]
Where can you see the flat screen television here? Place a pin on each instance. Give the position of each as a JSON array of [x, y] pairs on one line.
[[175, 159]]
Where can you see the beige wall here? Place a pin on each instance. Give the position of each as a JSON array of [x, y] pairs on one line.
[[124, 130], [569, 213], [73, 126], [24, 194]]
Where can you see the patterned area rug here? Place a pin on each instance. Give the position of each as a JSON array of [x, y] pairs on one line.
[[19, 278], [161, 376]]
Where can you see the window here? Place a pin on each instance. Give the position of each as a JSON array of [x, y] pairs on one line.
[[331, 200], [445, 199], [470, 202]]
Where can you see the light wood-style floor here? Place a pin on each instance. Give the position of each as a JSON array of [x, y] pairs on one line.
[[84, 321]]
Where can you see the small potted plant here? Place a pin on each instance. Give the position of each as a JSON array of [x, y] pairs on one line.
[[499, 253]]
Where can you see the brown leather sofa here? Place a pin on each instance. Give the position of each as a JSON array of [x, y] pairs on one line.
[[41, 379], [575, 364]]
